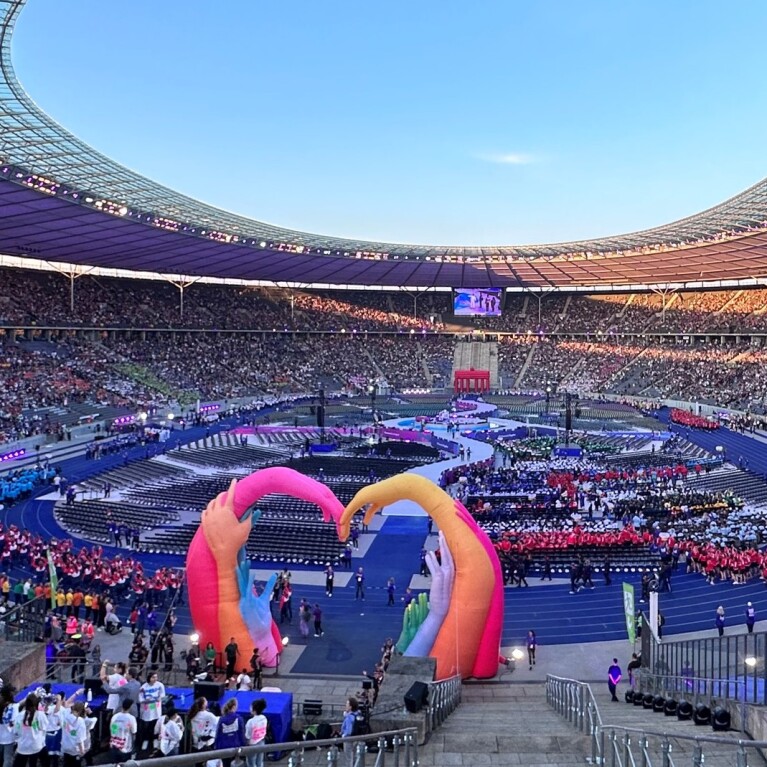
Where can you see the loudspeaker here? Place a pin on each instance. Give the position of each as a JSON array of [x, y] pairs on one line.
[[416, 697], [312, 708], [568, 418], [93, 683], [721, 719], [211, 691], [659, 704], [670, 708], [684, 710], [629, 696], [321, 416], [648, 701], [702, 714]]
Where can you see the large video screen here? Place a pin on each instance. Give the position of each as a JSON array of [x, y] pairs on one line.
[[477, 302]]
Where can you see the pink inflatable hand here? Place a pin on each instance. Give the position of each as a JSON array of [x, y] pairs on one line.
[[284, 481]]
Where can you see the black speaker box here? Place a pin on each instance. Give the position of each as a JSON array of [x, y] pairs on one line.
[[321, 416], [312, 708], [416, 697], [211, 691]]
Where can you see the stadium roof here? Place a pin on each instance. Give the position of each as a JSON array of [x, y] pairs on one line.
[[62, 201]]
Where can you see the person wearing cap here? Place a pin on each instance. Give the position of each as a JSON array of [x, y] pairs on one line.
[[77, 656], [719, 620], [750, 617]]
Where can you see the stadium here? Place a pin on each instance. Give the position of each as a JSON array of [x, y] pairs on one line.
[[598, 409]]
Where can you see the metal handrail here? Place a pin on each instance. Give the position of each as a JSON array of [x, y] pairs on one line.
[[573, 700], [445, 697], [402, 743], [576, 702]]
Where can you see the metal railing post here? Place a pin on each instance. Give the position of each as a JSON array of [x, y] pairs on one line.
[[643, 746], [666, 752], [396, 743], [381, 758], [743, 709], [613, 748], [600, 743], [626, 749]]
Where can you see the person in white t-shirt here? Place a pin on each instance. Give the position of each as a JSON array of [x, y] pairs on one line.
[[245, 681], [115, 679], [122, 731], [8, 713], [169, 731], [74, 732], [255, 731], [29, 732], [90, 723], [203, 724], [150, 697]]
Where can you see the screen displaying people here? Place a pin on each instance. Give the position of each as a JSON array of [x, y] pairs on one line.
[[477, 302]]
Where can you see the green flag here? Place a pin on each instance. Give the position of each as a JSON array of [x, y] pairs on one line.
[[628, 608], [53, 577]]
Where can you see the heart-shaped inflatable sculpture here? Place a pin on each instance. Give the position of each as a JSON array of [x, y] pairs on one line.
[[461, 628]]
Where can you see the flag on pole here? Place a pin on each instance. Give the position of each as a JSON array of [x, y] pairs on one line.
[[628, 608], [53, 577]]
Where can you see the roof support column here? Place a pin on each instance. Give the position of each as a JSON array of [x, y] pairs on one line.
[[182, 283], [415, 296], [664, 293], [72, 273], [539, 296]]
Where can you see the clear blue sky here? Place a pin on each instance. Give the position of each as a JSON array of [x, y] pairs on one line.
[[427, 121]]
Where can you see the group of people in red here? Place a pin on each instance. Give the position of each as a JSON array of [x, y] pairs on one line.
[[87, 567], [525, 541], [724, 562], [685, 418]]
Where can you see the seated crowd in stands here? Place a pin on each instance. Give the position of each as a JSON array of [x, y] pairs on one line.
[[40, 298]]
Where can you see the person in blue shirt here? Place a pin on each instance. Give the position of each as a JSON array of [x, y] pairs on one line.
[[360, 580], [532, 643], [230, 732], [750, 617], [347, 727], [614, 675], [720, 620]]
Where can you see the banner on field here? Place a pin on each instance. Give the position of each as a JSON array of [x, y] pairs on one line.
[[53, 577], [628, 609]]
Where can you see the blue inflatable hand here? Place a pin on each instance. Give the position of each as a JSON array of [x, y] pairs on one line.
[[243, 564], [256, 611]]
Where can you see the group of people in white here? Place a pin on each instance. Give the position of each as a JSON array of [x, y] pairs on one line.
[[53, 730]]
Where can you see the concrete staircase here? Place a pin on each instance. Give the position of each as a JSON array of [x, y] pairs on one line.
[[521, 375], [505, 723]]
